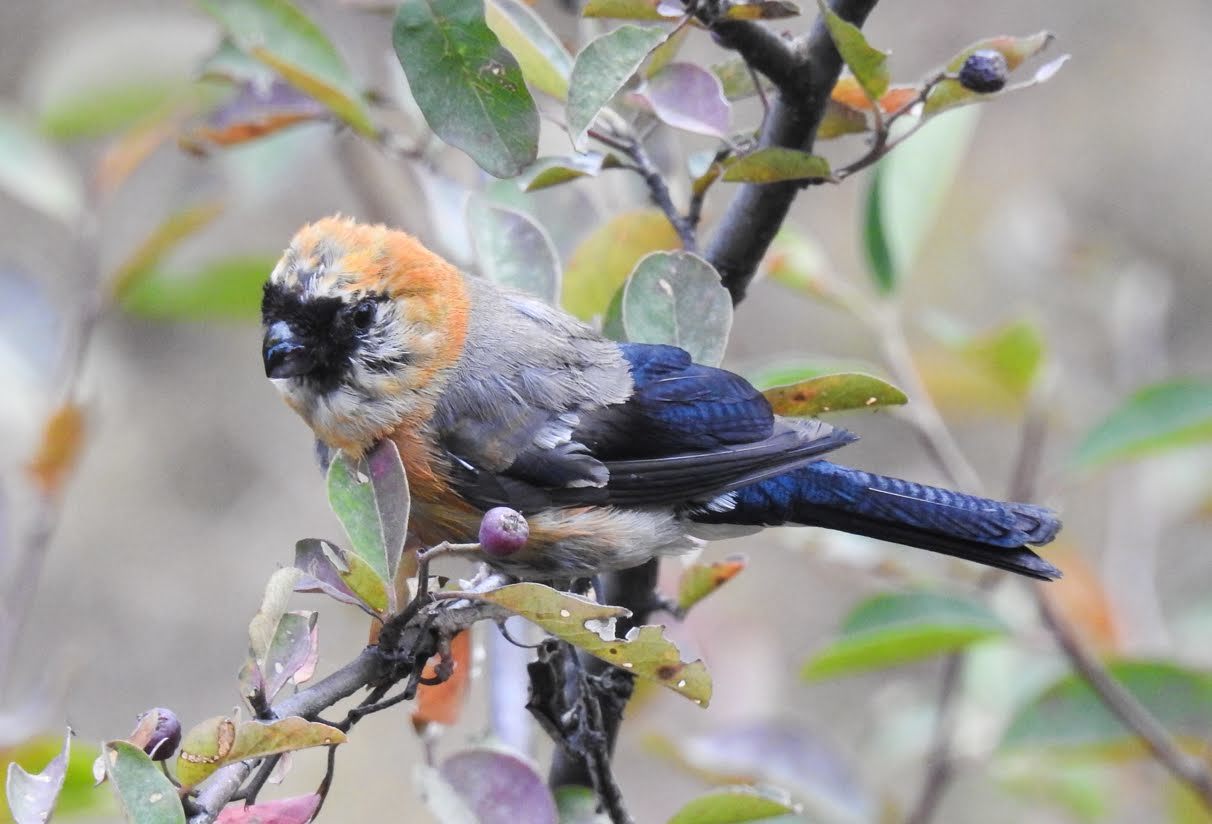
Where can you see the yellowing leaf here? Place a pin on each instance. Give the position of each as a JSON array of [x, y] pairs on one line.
[[833, 393], [590, 626], [601, 263], [545, 63], [870, 65], [175, 228], [700, 580], [62, 439], [218, 741]]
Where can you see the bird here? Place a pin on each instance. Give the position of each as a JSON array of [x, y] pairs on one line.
[[615, 452]]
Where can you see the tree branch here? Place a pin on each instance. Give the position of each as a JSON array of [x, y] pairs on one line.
[[756, 211]]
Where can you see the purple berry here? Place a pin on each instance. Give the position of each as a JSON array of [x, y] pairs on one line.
[[503, 531], [984, 71], [158, 733]]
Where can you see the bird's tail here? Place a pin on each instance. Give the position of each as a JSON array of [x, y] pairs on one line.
[[836, 497]]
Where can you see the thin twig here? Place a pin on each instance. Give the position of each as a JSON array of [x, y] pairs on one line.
[[940, 762], [1122, 703], [658, 188]]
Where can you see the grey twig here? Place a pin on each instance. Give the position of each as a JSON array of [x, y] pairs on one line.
[[804, 72]]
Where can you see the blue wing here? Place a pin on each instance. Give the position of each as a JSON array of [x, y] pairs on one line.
[[687, 434]]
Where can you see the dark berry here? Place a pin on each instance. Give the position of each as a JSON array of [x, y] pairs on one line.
[[984, 71], [503, 531], [158, 733]]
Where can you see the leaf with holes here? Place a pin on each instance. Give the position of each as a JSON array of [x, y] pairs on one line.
[[544, 61], [677, 298], [276, 33], [1157, 418], [893, 629], [146, 794], [513, 250], [775, 164], [687, 97], [468, 86], [833, 393], [625, 9], [600, 71], [869, 64], [599, 266], [371, 499], [701, 579], [220, 740], [590, 626], [1067, 718]]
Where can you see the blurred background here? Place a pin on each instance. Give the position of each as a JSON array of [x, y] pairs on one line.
[[1080, 212]]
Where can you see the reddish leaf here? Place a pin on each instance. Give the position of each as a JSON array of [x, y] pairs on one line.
[[499, 787], [131, 149], [442, 703], [297, 810], [62, 438], [849, 93], [254, 112], [687, 97]]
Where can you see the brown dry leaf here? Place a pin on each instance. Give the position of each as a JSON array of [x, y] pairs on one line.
[[59, 449]]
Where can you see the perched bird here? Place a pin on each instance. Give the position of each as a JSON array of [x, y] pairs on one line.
[[615, 452]]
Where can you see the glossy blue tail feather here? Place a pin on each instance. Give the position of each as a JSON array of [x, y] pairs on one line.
[[986, 531]]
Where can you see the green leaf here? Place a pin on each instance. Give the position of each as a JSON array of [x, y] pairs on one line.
[[545, 63], [146, 795], [283, 38], [78, 792], [601, 263], [893, 629], [34, 172], [736, 805], [228, 288], [677, 298], [1154, 419], [600, 71], [168, 235], [1011, 355], [339, 574], [371, 499], [98, 112], [906, 193], [220, 740], [784, 372], [869, 65], [468, 86], [833, 393], [701, 579], [513, 250], [552, 171], [578, 805], [589, 625], [775, 164], [1069, 719], [32, 797], [624, 9]]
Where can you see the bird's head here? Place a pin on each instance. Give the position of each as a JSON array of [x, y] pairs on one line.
[[360, 322]]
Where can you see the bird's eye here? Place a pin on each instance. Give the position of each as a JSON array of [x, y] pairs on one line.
[[364, 314]]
